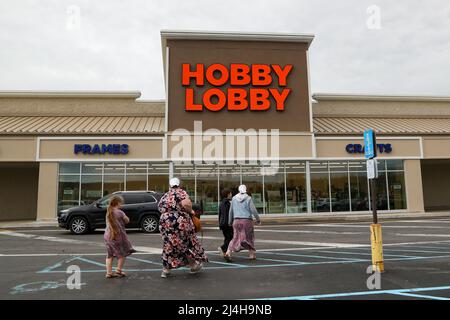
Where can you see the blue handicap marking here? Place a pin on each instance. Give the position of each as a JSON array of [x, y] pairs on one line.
[[35, 287], [70, 261]]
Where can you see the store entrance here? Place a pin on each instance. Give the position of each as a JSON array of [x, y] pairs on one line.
[[18, 191], [436, 184]]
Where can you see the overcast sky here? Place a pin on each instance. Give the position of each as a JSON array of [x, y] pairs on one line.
[[115, 44]]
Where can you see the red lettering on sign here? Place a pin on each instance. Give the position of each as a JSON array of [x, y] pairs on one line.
[[223, 74], [282, 73], [198, 74], [190, 105], [207, 97], [237, 99], [259, 99], [261, 75], [240, 74], [280, 98]]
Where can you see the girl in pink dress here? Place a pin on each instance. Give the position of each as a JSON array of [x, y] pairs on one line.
[[116, 239]]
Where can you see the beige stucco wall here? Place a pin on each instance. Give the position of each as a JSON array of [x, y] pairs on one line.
[[47, 190], [367, 108], [413, 183], [335, 148], [436, 147], [282, 146], [79, 106], [139, 149], [17, 149]]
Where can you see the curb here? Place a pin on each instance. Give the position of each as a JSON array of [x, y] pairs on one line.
[[212, 220]]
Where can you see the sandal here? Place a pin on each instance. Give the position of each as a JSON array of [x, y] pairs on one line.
[[120, 273], [111, 275]]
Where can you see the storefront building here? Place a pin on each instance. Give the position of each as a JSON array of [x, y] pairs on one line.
[[61, 149]]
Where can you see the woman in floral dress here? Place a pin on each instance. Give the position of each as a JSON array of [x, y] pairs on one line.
[[181, 245]]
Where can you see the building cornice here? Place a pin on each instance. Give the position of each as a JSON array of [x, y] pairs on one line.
[[71, 94], [371, 97]]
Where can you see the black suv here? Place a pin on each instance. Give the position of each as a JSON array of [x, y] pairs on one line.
[[140, 206]]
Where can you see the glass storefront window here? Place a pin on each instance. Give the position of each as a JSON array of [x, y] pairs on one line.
[[339, 192], [186, 174], [274, 193], [296, 187], [69, 168], [394, 165], [229, 178], [207, 192], [336, 186], [296, 193], [158, 183], [359, 191], [397, 192], [253, 179], [382, 197], [357, 166], [338, 166], [158, 177], [136, 182], [381, 165], [320, 193], [320, 184], [136, 168], [114, 168], [91, 188], [92, 168], [113, 183], [68, 191]]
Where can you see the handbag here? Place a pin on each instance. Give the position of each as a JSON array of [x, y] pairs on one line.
[[197, 223]]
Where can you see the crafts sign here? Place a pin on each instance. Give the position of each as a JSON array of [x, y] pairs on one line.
[[237, 87]]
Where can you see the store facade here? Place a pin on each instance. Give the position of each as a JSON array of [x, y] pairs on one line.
[[238, 109]]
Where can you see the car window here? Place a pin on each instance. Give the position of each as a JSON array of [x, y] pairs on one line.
[[103, 202], [133, 198], [148, 198]]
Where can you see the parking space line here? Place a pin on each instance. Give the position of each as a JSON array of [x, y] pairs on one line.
[[267, 259], [312, 256], [228, 264], [91, 261], [422, 235], [309, 231], [143, 260], [384, 226], [367, 254], [419, 296], [420, 251], [360, 293]]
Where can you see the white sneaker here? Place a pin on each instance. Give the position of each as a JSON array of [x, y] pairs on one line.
[[221, 251], [165, 274], [198, 266]]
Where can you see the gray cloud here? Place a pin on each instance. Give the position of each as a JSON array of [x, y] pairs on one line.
[[117, 46]]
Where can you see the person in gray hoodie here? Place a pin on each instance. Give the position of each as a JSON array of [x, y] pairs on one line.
[[242, 211]]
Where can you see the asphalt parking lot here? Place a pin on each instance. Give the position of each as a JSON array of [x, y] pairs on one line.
[[307, 261]]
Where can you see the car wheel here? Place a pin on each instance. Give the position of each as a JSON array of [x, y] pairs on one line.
[[79, 225], [150, 224]]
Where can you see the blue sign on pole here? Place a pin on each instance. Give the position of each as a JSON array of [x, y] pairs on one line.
[[369, 144]]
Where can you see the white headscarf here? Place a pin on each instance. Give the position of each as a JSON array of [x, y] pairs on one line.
[[242, 188], [174, 182]]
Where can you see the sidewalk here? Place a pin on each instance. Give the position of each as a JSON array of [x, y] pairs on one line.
[[269, 219]]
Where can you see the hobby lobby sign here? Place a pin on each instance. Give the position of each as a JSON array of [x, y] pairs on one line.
[[237, 87]]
